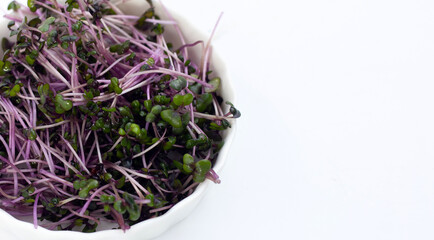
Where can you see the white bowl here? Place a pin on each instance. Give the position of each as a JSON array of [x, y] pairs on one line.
[[12, 228]]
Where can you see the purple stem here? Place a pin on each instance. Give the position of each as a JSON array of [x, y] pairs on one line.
[[35, 211]]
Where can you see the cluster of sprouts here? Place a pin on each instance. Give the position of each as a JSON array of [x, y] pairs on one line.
[[100, 117]]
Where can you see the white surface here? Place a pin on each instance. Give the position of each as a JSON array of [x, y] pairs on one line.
[[336, 138]]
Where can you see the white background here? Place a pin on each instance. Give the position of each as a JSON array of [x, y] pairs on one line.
[[337, 133]]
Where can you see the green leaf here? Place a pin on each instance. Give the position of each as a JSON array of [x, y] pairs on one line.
[[71, 54], [135, 106], [158, 29], [14, 32], [31, 5], [135, 129], [53, 33], [118, 206], [183, 99], [32, 135], [203, 102], [115, 48], [45, 26], [121, 181], [178, 131], [122, 132], [90, 184], [14, 6], [62, 24], [214, 126], [46, 89], [185, 118], [144, 67], [171, 117], [128, 199], [156, 109], [7, 66], [77, 26], [202, 168], [194, 142], [143, 134], [120, 48], [78, 222], [148, 104], [107, 177], [107, 199], [111, 199], [161, 99], [23, 45], [78, 184], [215, 84], [34, 54], [131, 56], [164, 169], [109, 109], [187, 168], [141, 23], [1, 68], [11, 24], [152, 198], [58, 109], [66, 105], [91, 53], [34, 22], [187, 159], [71, 5], [188, 99], [89, 228], [103, 198], [178, 83], [178, 165], [178, 99], [64, 45], [160, 203], [99, 123], [150, 61], [168, 145], [132, 208], [88, 95], [14, 90], [68, 38], [114, 86], [150, 117], [126, 112], [30, 60], [233, 110]]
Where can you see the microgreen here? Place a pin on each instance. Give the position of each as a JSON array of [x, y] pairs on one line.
[[215, 84], [201, 169], [171, 117], [179, 83], [31, 5], [203, 101], [14, 6], [45, 25], [183, 99]]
